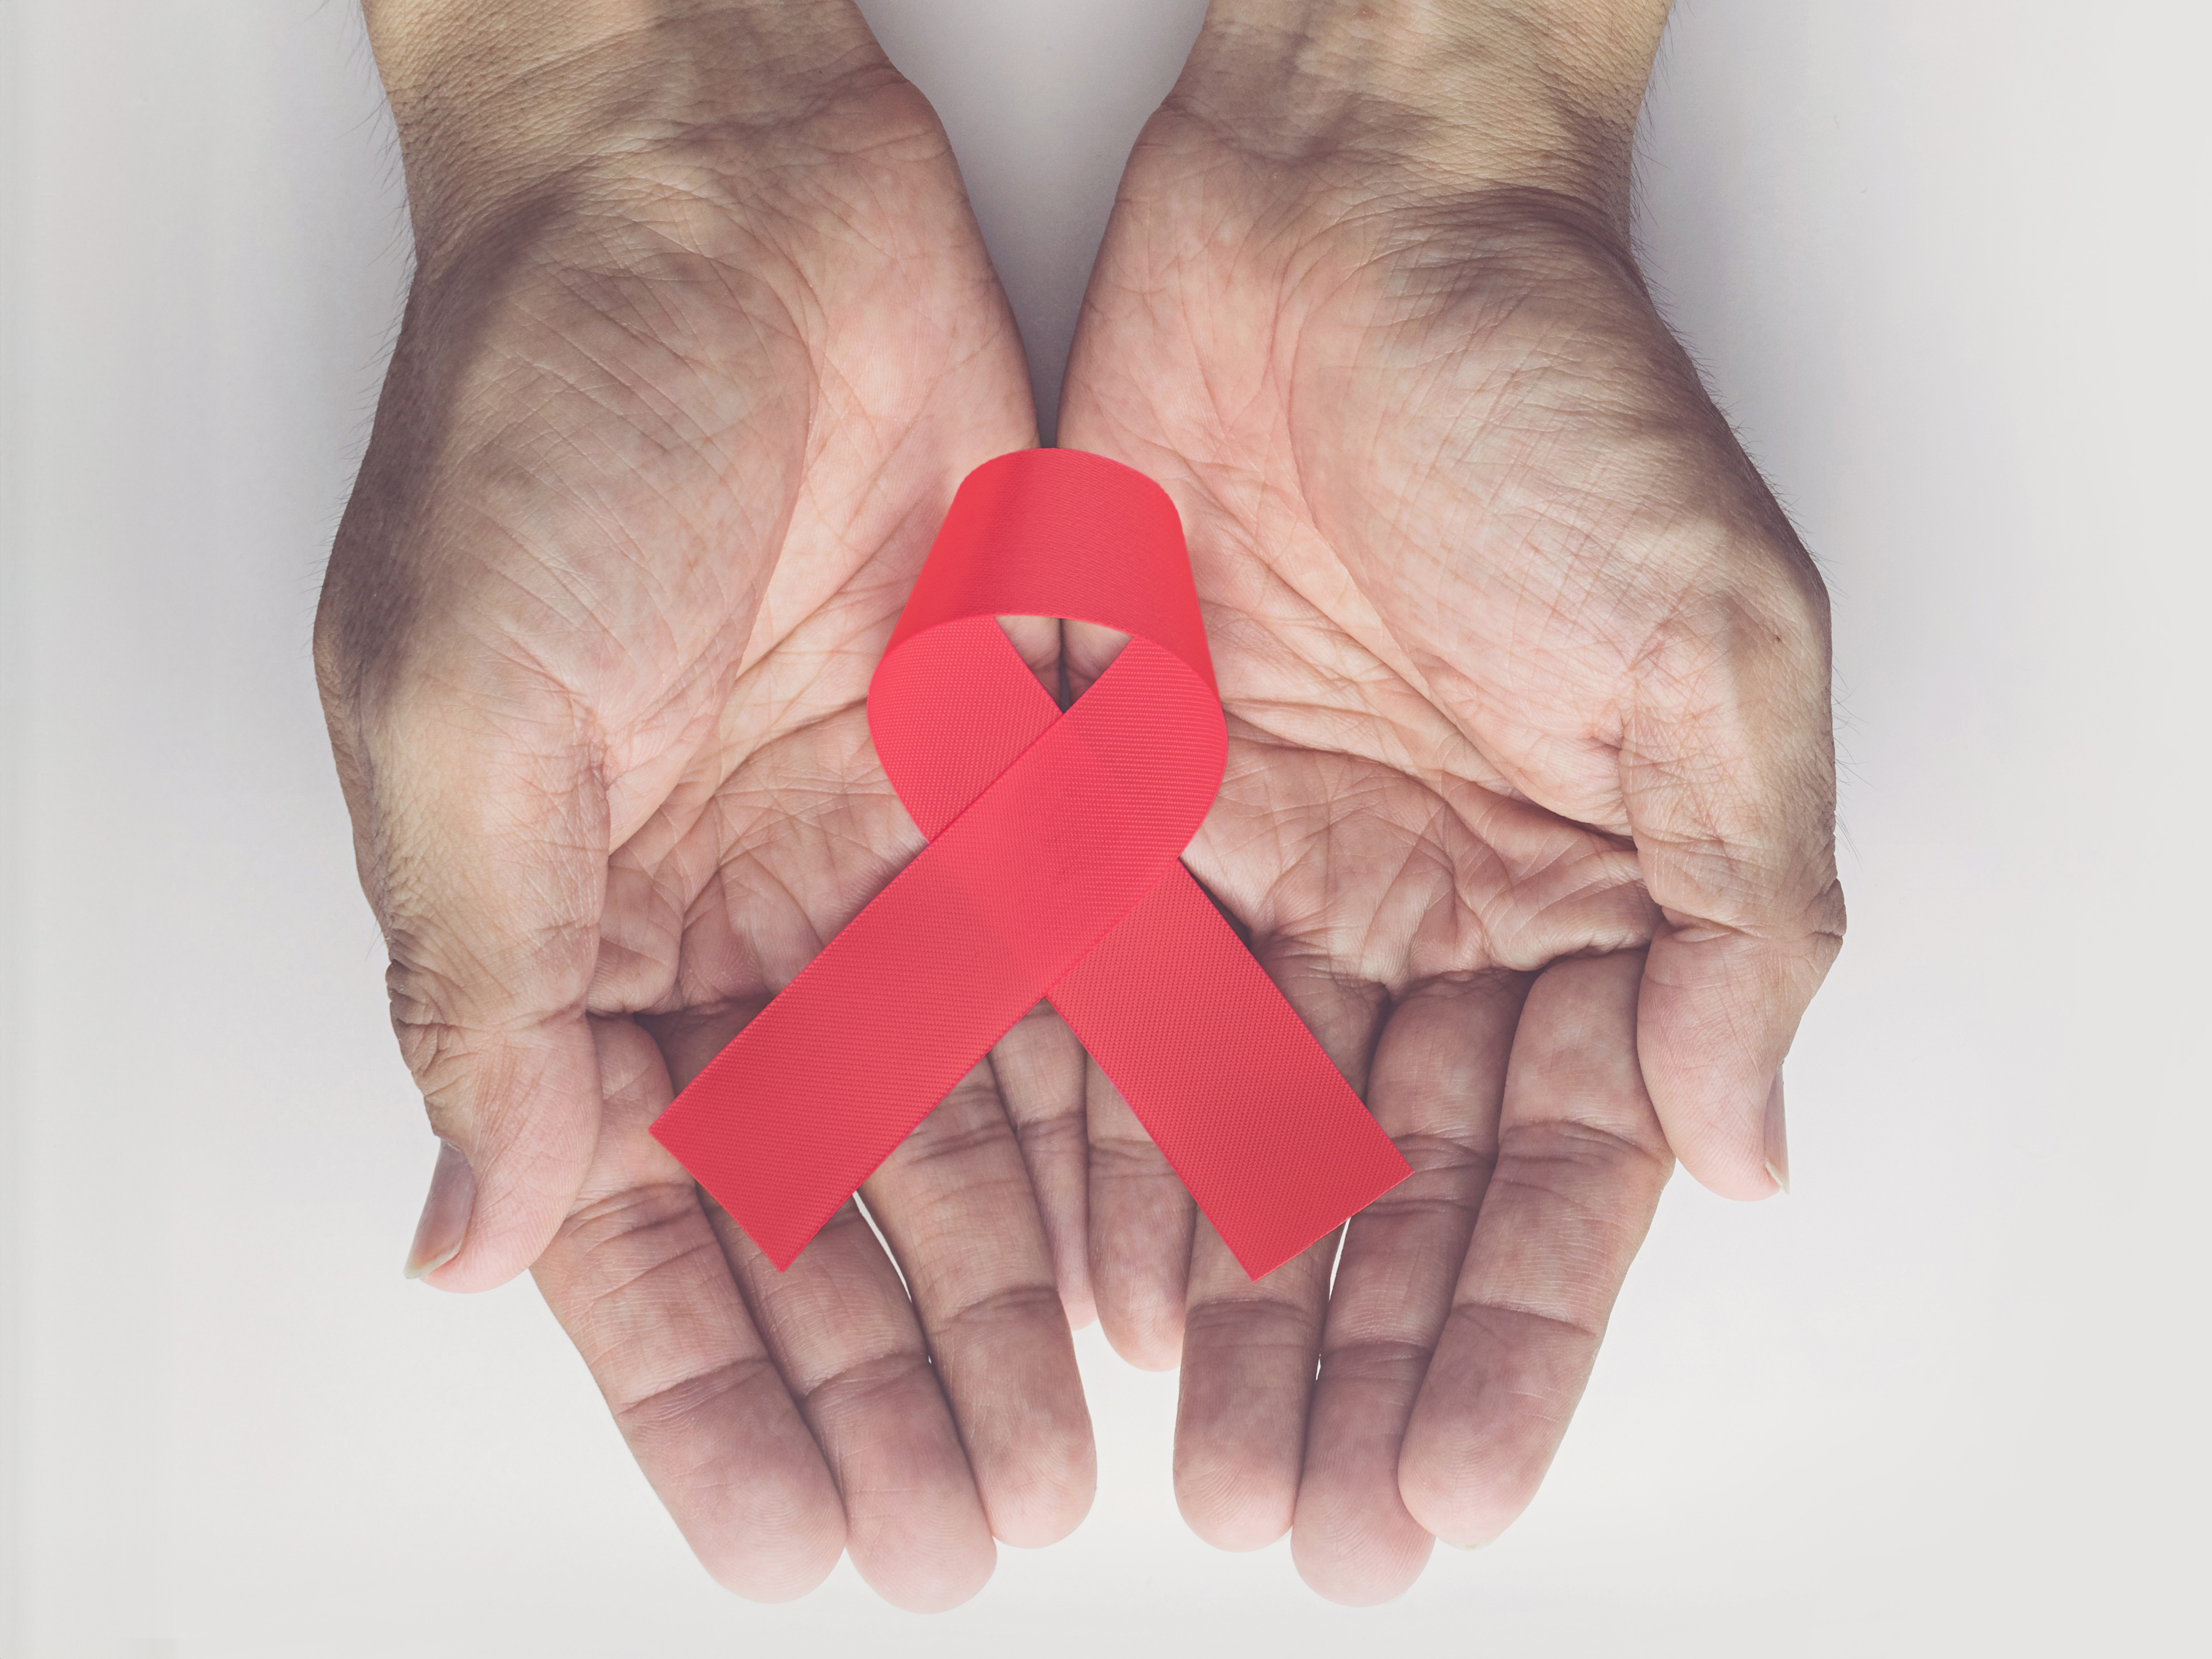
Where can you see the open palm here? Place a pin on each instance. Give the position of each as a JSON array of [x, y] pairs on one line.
[[657, 461], [1528, 806]]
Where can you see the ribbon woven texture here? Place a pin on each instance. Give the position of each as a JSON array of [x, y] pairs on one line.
[[1053, 870]]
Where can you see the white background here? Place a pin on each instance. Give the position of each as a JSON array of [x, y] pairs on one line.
[[1945, 264]]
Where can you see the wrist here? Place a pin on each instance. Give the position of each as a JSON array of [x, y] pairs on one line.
[[1537, 96], [499, 103]]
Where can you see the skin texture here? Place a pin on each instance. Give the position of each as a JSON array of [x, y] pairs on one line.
[[1530, 788], [675, 412], [1527, 805]]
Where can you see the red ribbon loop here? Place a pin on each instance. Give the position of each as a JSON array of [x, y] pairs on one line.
[[1052, 869]]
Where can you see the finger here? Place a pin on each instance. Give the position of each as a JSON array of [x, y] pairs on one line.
[[1249, 1345], [1037, 639], [1248, 1351], [1038, 1068], [1141, 1225], [637, 1279], [1727, 770], [954, 1201], [1580, 1161], [482, 833], [845, 1338], [1436, 1085], [1087, 650]]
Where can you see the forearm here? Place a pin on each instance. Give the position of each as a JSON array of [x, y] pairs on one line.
[[1526, 95], [493, 99]]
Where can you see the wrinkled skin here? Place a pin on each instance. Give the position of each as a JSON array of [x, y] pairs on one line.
[[657, 462], [1513, 643]]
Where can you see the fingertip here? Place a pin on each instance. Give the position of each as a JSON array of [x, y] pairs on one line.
[[1082, 1308], [1034, 1459], [1461, 1494], [1778, 1137], [1489, 1421], [1711, 1057], [1140, 1304], [782, 1559], [1148, 1334], [1360, 1584], [1050, 1503], [1079, 1297], [444, 1225], [1345, 1557], [1717, 1009], [496, 1252], [1236, 1527], [1230, 1505], [916, 1527], [1724, 1153], [937, 1585], [508, 1174], [765, 1522], [1730, 1174]]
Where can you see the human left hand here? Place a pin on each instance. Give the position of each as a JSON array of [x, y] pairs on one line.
[[1530, 799]]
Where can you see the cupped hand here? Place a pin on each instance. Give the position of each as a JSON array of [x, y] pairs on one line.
[[701, 339], [1530, 789]]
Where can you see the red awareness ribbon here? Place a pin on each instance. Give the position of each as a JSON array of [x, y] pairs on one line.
[[1053, 870]]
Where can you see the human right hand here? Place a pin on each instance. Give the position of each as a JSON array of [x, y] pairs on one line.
[[701, 339]]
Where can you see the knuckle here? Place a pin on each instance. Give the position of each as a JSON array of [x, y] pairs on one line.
[[459, 1058], [1575, 1159], [1395, 1362], [1748, 634], [674, 1404], [859, 1381], [1250, 1324], [433, 1045], [1002, 1307], [1432, 1152], [1135, 1158], [1527, 1343], [972, 1133]]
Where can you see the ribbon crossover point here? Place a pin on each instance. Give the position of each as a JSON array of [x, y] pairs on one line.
[[1053, 870]]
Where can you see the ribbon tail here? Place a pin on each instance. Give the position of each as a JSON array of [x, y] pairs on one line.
[[1231, 1087]]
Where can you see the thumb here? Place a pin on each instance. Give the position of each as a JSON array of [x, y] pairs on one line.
[[1728, 769], [481, 826]]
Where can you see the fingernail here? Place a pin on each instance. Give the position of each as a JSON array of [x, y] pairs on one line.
[[1778, 1137], [445, 1223]]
